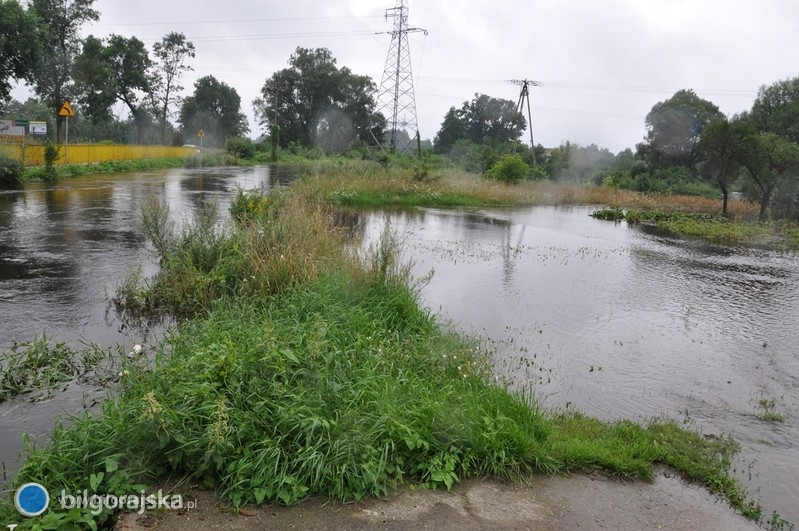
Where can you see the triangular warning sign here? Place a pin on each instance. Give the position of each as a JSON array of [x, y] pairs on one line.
[[66, 110]]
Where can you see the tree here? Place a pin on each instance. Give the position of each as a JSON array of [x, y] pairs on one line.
[[316, 103], [116, 71], [483, 120], [452, 130], [59, 22], [721, 143], [675, 127], [215, 107], [19, 45], [776, 109], [769, 159], [171, 54]]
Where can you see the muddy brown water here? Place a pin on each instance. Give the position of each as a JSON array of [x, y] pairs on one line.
[[614, 321]]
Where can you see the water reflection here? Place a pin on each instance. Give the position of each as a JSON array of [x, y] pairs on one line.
[[64, 247]]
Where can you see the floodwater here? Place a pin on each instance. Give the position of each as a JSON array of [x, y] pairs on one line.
[[613, 321], [64, 249], [621, 323]]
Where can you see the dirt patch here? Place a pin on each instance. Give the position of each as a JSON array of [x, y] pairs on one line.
[[577, 502]]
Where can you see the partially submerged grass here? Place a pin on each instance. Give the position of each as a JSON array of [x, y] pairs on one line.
[[306, 372], [711, 227], [41, 368]]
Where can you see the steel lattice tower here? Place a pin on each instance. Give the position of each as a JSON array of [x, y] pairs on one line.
[[396, 100]]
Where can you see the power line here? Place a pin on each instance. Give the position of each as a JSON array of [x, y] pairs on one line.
[[233, 21], [592, 86]]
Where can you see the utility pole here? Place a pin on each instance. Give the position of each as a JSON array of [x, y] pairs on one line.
[[396, 100], [525, 96]]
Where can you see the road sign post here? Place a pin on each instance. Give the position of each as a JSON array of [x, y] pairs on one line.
[[66, 111], [201, 134]]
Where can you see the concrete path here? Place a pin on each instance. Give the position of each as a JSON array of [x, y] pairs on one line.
[[578, 502]]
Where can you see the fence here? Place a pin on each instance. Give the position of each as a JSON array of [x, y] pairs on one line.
[[33, 154]]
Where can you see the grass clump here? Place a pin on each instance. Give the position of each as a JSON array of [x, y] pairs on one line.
[[272, 243]]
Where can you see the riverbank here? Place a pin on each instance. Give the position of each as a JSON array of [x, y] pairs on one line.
[[41, 173], [294, 353], [367, 184]]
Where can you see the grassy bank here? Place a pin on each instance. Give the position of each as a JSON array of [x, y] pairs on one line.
[[40, 173], [363, 183], [301, 370]]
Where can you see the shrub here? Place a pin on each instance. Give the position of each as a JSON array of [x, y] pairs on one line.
[[51, 153], [240, 147], [10, 170], [510, 169]]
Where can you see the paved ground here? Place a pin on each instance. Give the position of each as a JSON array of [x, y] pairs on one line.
[[578, 502]]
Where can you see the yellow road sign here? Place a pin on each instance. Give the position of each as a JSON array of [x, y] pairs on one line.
[[201, 134], [66, 110]]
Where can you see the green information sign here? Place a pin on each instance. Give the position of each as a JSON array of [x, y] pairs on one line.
[[22, 123]]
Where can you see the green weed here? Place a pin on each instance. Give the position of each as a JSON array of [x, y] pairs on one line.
[[41, 368]]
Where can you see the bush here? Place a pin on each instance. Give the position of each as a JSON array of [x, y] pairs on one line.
[[240, 147], [510, 169], [10, 170], [51, 153]]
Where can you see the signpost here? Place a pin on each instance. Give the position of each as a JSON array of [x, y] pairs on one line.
[[201, 134], [66, 111]]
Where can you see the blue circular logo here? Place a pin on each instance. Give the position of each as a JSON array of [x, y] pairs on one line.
[[31, 499]]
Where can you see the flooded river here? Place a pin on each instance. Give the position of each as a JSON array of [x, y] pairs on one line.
[[613, 321], [619, 323]]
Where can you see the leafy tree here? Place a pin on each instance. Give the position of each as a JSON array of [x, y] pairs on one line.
[[32, 109], [19, 45], [483, 120], [674, 129], [59, 22], [721, 143], [171, 54], [215, 107], [452, 130], [116, 71], [769, 160], [776, 109], [315, 103]]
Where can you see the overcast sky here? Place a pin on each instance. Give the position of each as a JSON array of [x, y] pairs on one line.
[[603, 63]]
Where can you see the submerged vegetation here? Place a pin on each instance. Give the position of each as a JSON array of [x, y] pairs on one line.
[[41, 368], [300, 369], [711, 227]]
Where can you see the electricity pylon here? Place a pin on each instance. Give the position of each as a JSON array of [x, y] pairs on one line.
[[396, 100], [525, 96]]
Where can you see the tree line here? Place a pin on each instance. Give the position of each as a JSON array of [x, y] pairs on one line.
[[690, 146], [41, 45]]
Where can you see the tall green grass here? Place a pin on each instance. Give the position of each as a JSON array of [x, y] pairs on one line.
[[304, 371]]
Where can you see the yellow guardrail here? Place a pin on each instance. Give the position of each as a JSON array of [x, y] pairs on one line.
[[33, 154]]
